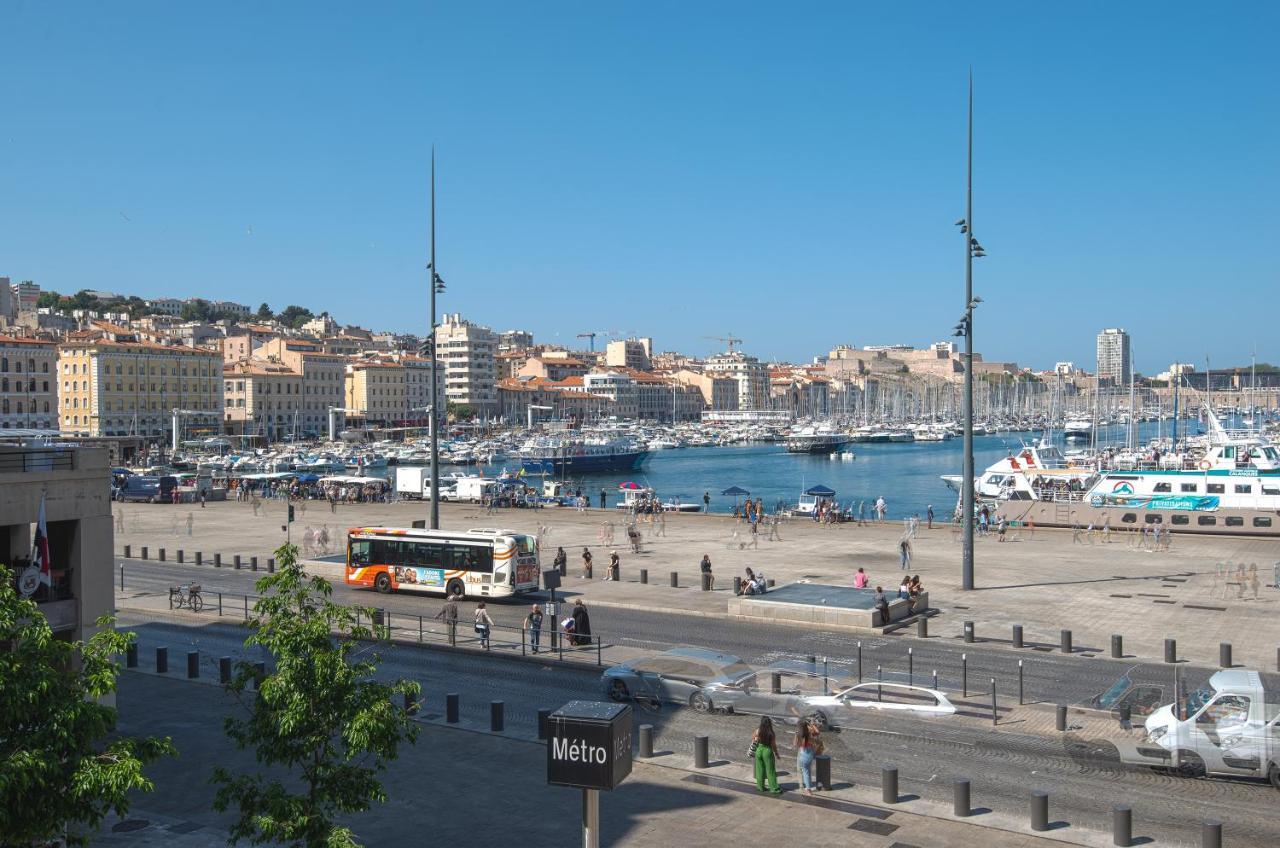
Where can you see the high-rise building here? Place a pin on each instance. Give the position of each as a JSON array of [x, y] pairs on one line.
[[467, 351], [751, 375], [1113, 355], [628, 353]]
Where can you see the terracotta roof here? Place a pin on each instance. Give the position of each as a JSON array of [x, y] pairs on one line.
[[569, 381], [23, 340], [140, 347]]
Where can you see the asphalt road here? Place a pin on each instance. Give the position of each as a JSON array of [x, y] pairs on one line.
[[1083, 777]]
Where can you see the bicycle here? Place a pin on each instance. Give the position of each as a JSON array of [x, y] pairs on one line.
[[186, 596]]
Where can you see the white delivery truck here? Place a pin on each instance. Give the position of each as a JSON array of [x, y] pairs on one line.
[[1224, 728], [475, 489], [414, 483]]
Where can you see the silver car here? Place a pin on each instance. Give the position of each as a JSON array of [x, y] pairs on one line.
[[779, 691], [679, 676]]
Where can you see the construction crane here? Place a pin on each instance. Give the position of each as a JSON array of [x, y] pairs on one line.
[[591, 335], [730, 340]]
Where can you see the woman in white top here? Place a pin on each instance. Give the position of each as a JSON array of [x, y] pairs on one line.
[[483, 624]]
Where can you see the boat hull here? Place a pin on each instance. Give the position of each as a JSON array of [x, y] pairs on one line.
[[1227, 521], [586, 463]]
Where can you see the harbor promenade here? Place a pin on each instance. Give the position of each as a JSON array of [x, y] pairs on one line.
[[1046, 580]]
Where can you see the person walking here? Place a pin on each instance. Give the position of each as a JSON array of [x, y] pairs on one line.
[[705, 568], [483, 625], [586, 565], [561, 560], [764, 750], [533, 623], [706, 502], [929, 517], [202, 496], [581, 623], [806, 753], [449, 612], [904, 548]]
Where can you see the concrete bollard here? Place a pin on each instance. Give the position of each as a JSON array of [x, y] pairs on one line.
[[1211, 834], [253, 563], [161, 554], [193, 665], [822, 771], [737, 590], [1017, 635], [451, 708], [775, 683], [968, 631], [646, 741], [960, 805], [770, 583], [496, 719], [1122, 825], [1170, 650], [217, 560], [199, 558], [128, 552], [889, 784], [1062, 717], [237, 562], [544, 719], [131, 655], [1117, 646], [181, 556], [644, 576], [1065, 641], [224, 670], [1224, 654], [675, 580], [162, 660], [701, 751], [922, 627], [706, 582], [144, 551], [271, 565], [1039, 810]]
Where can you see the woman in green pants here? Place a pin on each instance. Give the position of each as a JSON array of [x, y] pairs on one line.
[[765, 750]]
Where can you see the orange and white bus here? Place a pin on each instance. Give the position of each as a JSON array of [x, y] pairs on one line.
[[485, 562]]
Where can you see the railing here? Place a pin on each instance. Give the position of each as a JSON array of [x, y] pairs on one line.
[[25, 460]]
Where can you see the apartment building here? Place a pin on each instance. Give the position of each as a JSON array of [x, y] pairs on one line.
[[618, 388], [718, 392], [262, 398], [629, 353], [417, 386], [751, 375], [552, 368], [28, 384], [376, 392], [122, 388], [467, 351], [323, 378], [1113, 356]]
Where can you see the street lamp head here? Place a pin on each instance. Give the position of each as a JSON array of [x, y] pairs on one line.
[[960, 223], [976, 300]]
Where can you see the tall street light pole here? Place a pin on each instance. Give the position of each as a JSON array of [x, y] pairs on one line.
[[434, 416]]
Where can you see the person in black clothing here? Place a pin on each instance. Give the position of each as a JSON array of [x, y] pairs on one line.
[[603, 498], [706, 501], [561, 560], [705, 568], [581, 623]]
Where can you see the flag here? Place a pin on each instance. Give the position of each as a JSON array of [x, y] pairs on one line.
[[40, 548]]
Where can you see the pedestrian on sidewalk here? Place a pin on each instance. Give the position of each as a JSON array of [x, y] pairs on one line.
[[861, 579], [449, 612], [615, 567], [904, 548], [706, 502], [581, 623], [202, 496], [561, 560], [881, 605], [603, 498], [929, 517], [705, 568], [764, 751], [862, 513], [586, 565], [805, 754], [533, 623], [483, 625], [755, 536]]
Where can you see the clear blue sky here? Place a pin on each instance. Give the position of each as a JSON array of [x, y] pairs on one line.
[[786, 172]]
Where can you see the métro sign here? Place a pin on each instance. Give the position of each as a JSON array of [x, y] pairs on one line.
[[589, 745]]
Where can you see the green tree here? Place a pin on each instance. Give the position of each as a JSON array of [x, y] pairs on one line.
[[196, 310], [294, 316], [264, 312], [48, 300], [62, 767], [320, 715], [459, 411]]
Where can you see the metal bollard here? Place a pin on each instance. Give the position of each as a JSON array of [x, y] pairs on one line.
[[217, 560], [1117, 646], [922, 627], [451, 708], [253, 563], [889, 784], [544, 719], [960, 805], [770, 583], [1062, 717], [644, 576], [1224, 654], [1211, 834], [1017, 635], [160, 553], [968, 631], [224, 670], [737, 590], [1126, 714], [775, 683], [964, 675], [128, 551], [199, 558], [162, 660], [1065, 640], [193, 664], [237, 562], [1122, 825], [822, 771], [496, 722], [1039, 810], [706, 582], [995, 712], [144, 551], [181, 555], [675, 580], [131, 655], [646, 741], [1021, 700], [1170, 650], [701, 756], [271, 565]]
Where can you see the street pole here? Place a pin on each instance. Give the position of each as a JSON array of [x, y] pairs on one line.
[[590, 818], [966, 568], [433, 415]]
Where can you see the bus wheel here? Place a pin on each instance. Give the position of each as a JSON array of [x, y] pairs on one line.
[[383, 583], [454, 587]]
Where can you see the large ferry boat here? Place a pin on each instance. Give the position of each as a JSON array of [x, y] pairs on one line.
[[563, 455], [815, 439]]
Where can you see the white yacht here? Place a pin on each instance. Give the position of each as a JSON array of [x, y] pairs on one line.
[[1077, 429]]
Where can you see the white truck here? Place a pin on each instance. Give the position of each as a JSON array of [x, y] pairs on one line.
[[1224, 728], [413, 482], [475, 489]]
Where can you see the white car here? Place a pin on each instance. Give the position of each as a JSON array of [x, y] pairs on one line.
[[838, 709]]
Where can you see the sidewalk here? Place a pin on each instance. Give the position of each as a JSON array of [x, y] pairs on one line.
[[494, 791], [1041, 580]]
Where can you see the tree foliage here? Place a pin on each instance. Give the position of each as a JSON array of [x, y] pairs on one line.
[[264, 312], [320, 715], [62, 768], [295, 316]]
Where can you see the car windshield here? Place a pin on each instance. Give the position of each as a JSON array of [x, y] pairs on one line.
[[1195, 702], [1108, 698]]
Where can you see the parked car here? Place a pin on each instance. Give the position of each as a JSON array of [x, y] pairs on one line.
[[680, 676], [148, 488]]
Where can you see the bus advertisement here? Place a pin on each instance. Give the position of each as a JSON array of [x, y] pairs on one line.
[[483, 562]]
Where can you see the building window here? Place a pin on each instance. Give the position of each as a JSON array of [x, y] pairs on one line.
[[1190, 487], [1243, 488], [1215, 488]]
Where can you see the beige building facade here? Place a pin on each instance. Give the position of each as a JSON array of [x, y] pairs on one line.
[[28, 384], [376, 392], [262, 399], [467, 351]]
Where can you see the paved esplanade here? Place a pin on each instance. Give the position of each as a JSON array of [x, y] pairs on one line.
[[1045, 581]]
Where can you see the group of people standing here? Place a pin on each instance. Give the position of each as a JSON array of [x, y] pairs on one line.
[[764, 755]]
